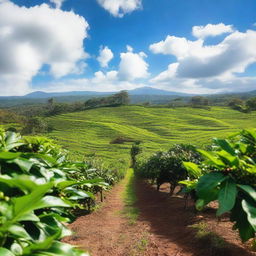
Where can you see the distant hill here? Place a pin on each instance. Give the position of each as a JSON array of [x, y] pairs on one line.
[[139, 91], [137, 96], [40, 94], [153, 91]]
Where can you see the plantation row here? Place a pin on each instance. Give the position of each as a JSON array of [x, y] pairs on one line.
[[226, 172], [40, 192]]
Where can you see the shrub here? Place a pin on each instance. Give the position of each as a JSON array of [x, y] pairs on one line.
[[229, 176], [168, 166], [121, 140], [38, 190]]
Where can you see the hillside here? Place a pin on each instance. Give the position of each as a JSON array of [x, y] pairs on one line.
[[91, 131]]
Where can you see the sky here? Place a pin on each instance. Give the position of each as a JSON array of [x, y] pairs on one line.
[[191, 46]]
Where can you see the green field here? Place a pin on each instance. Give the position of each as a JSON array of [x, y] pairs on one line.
[[90, 132]]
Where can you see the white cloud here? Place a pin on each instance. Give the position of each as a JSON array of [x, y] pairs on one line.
[[58, 3], [183, 48], [105, 56], [119, 8], [166, 75], [32, 37], [211, 30], [132, 65], [210, 67]]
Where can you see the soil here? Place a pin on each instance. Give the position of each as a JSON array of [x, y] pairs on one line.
[[162, 229]]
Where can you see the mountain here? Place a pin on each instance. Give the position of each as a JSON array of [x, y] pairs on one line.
[[40, 94], [153, 91], [139, 91]]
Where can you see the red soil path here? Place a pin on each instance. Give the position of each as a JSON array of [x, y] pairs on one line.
[[161, 230]]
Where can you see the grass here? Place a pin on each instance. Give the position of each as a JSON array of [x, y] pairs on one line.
[[90, 132], [129, 198], [202, 232]]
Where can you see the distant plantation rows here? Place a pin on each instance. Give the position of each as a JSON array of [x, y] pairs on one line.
[[91, 132]]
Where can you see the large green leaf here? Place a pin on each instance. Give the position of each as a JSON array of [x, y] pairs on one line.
[[228, 159], [9, 155], [41, 245], [24, 164], [225, 145], [212, 158], [251, 213], [5, 252], [25, 204], [248, 190], [239, 216], [61, 249], [227, 196], [19, 231], [23, 182], [50, 201], [207, 183], [193, 169]]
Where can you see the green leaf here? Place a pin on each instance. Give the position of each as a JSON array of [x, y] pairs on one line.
[[16, 248], [227, 196], [248, 190], [5, 252], [200, 204], [66, 183], [207, 183], [239, 216], [61, 249], [24, 164], [50, 201], [19, 231], [25, 204], [42, 245], [9, 155], [251, 170], [29, 217], [251, 213], [22, 182], [228, 159], [193, 169], [225, 145], [190, 184], [212, 158]]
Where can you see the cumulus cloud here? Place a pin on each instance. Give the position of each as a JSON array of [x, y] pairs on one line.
[[167, 74], [132, 65], [211, 30], [35, 36], [105, 56], [131, 68], [182, 48], [208, 66], [119, 8], [58, 3]]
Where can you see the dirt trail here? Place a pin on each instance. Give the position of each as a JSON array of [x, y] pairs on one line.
[[161, 229]]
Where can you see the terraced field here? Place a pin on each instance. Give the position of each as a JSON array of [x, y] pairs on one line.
[[90, 132]]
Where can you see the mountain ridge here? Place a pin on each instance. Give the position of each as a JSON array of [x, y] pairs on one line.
[[138, 91]]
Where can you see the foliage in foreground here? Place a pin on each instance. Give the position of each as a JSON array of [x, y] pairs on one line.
[[38, 191], [228, 175]]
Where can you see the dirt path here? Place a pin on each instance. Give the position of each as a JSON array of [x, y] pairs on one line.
[[107, 231], [162, 228]]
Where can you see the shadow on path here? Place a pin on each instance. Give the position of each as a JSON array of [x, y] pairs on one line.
[[169, 222]]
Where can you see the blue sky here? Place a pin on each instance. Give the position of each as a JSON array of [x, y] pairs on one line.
[[143, 43]]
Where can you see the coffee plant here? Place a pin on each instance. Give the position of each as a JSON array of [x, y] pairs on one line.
[[168, 166], [228, 174], [38, 192]]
